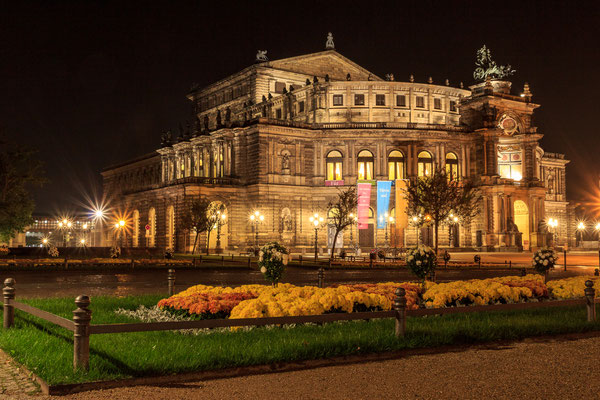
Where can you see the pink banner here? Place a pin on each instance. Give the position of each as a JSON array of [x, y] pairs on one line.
[[364, 199]]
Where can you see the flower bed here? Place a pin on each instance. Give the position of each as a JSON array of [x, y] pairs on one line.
[[256, 301], [572, 288]]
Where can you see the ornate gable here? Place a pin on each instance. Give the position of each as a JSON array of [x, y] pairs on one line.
[[326, 62]]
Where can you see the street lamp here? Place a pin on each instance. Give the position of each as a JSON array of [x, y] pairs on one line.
[[553, 223], [220, 221], [65, 226], [316, 220], [580, 229], [388, 220], [354, 218], [256, 218]]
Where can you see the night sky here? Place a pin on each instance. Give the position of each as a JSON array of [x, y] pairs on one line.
[[94, 83]]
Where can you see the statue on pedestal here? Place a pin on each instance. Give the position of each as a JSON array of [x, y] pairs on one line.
[[329, 44]]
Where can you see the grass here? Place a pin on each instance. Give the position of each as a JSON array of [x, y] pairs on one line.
[[47, 350]]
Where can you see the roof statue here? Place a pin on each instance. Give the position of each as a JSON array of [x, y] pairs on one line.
[[261, 56], [486, 67], [329, 43]]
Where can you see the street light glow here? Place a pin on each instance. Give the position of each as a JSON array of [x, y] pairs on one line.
[[122, 222]]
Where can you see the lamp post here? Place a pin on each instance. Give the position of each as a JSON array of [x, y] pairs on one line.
[[65, 226], [316, 221], [553, 223], [355, 219], [388, 220], [256, 218], [580, 229], [221, 221]]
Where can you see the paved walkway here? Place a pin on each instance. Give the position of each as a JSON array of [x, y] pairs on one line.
[[532, 369], [14, 383]]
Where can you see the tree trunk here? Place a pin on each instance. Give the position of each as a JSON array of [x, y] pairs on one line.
[[333, 246], [195, 243]]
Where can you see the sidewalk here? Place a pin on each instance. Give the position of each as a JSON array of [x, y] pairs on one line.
[[542, 368], [14, 383]]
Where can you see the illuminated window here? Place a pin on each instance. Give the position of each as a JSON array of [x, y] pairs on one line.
[[338, 100], [365, 165], [510, 165], [452, 166], [396, 165], [334, 166], [424, 164]]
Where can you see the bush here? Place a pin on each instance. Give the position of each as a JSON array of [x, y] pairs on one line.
[[272, 260], [421, 261]]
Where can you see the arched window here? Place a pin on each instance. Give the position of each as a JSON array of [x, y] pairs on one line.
[[150, 233], [334, 166], [424, 164], [365, 165], [136, 228], [396, 165], [452, 166], [170, 226]]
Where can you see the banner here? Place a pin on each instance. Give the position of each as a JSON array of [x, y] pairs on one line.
[[384, 189], [401, 218], [364, 200]]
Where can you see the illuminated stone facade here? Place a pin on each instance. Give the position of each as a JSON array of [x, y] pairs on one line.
[[281, 136]]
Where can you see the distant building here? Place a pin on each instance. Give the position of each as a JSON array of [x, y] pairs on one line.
[[281, 136], [63, 231]]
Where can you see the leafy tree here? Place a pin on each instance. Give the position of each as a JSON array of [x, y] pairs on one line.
[[432, 199], [341, 209], [19, 169], [196, 218], [203, 216]]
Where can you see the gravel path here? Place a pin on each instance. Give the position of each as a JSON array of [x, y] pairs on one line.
[[532, 369]]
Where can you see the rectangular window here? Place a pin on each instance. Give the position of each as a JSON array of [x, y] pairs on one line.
[[452, 105], [437, 104], [338, 100], [279, 86], [359, 99], [278, 113], [380, 99], [395, 170], [301, 107], [420, 102], [400, 100], [334, 170]]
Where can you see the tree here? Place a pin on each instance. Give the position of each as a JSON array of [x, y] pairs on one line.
[[341, 209], [19, 170], [196, 218], [434, 198]]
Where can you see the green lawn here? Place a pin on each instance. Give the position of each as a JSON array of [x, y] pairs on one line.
[[47, 350]]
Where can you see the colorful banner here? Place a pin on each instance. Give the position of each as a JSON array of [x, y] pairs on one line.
[[384, 189], [364, 200], [401, 218]]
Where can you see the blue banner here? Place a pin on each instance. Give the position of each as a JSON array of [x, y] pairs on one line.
[[384, 189]]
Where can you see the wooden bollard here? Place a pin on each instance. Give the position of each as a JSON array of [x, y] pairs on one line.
[[249, 261], [232, 257], [200, 259], [132, 263], [300, 259], [9, 310], [565, 258], [590, 294], [81, 335], [370, 262], [320, 277], [523, 272], [400, 308], [222, 261], [510, 264], [171, 281]]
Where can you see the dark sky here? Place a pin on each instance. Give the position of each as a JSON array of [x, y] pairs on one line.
[[93, 83]]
